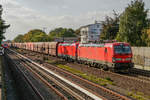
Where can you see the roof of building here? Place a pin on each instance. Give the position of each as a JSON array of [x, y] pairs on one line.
[[90, 24]]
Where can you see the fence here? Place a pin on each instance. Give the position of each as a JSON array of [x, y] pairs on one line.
[[141, 56]]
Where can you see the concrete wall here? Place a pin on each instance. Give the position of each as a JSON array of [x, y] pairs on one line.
[[141, 56]]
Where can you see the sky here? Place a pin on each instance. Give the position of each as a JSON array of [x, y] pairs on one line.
[[24, 15]]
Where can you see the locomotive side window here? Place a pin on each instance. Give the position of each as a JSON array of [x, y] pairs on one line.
[[122, 49], [105, 50]]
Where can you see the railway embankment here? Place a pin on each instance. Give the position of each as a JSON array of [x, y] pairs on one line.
[[0, 78], [7, 83], [142, 67], [13, 84], [16, 86]]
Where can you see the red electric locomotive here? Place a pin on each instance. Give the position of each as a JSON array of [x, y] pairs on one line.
[[68, 51], [5, 45], [116, 56]]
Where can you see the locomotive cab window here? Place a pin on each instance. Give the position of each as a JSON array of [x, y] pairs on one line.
[[122, 49]]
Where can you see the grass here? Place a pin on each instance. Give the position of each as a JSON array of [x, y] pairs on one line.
[[90, 77], [18, 50], [138, 95], [50, 61], [54, 62], [109, 79]]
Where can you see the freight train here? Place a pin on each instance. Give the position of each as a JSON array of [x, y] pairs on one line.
[[116, 56]]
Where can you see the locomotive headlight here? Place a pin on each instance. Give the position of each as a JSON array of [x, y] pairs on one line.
[[127, 59], [113, 59], [116, 59]]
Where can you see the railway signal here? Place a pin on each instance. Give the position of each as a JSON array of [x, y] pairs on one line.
[[1, 51]]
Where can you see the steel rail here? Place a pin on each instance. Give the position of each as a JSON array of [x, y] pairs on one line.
[[56, 82], [29, 82]]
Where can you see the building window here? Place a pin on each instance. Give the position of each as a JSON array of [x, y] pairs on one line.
[[85, 32], [97, 26]]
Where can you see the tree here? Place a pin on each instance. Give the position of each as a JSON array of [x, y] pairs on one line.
[[42, 37], [110, 27], [146, 36], [61, 32], [19, 38], [77, 32], [35, 35], [3, 26], [132, 21]]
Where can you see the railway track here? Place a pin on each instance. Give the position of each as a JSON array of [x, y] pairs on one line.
[[61, 90], [38, 90], [80, 90], [141, 74], [130, 82]]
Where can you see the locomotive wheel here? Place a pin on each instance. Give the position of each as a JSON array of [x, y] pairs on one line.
[[105, 68], [91, 65]]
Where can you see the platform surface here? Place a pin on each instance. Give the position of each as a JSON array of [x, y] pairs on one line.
[[142, 67]]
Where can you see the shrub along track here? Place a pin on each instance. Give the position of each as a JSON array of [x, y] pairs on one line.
[[132, 86]]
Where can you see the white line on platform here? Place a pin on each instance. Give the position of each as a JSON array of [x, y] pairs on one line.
[[63, 79]]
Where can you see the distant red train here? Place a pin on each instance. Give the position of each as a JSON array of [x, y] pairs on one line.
[[5, 45], [116, 56]]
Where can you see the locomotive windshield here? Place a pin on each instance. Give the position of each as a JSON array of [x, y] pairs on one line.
[[122, 49], [5, 45]]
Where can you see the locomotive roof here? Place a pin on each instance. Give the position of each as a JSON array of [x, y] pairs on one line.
[[117, 43], [92, 45], [67, 44], [101, 45]]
